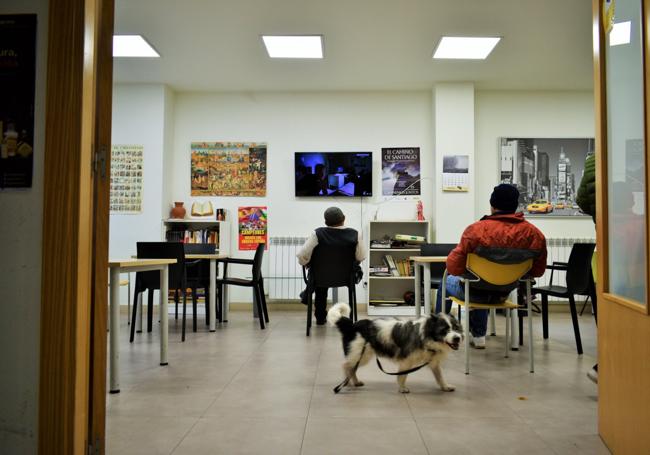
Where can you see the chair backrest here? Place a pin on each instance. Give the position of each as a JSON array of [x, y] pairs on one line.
[[163, 250], [332, 266], [504, 275], [578, 276], [257, 261], [200, 248], [437, 249]]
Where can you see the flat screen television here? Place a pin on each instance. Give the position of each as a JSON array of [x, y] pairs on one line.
[[333, 174]]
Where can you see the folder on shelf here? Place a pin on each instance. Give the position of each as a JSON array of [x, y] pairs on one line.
[[390, 262], [410, 238]]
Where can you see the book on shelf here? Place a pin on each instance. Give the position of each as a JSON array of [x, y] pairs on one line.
[[193, 236], [202, 208], [410, 238], [379, 271], [390, 262]]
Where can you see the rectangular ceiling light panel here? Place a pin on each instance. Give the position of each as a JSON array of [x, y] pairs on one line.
[[132, 46], [465, 47], [310, 46]]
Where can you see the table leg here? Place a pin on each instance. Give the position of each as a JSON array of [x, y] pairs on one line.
[[138, 313], [115, 330], [427, 289], [164, 289], [213, 295], [226, 303], [418, 297]]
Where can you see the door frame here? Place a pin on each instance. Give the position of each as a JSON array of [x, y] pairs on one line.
[[75, 227]]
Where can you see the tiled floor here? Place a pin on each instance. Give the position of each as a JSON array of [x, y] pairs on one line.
[[246, 391]]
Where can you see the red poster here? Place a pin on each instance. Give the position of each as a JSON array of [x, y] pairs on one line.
[[252, 227]]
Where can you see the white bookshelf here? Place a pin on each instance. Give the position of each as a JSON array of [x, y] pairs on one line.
[[194, 224], [389, 290]]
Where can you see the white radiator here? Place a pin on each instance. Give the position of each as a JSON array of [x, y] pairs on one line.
[[559, 251], [285, 274]]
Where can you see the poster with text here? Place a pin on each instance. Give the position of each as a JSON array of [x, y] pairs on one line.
[[228, 169], [126, 179], [252, 227], [17, 89], [400, 171]]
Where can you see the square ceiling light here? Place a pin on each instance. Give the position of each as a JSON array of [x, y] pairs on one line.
[[132, 46], [305, 46], [620, 33], [465, 47]]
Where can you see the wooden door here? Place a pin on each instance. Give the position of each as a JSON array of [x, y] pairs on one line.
[[75, 227], [622, 75]]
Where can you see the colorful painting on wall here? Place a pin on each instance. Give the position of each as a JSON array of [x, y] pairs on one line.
[[400, 171], [546, 171], [228, 169], [126, 179], [253, 225], [17, 90]]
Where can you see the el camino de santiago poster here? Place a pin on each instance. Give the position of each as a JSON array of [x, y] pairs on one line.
[[400, 171], [228, 169], [252, 227], [17, 88]]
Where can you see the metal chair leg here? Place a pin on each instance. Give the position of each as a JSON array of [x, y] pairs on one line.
[[466, 323], [493, 328], [507, 331], [529, 302]]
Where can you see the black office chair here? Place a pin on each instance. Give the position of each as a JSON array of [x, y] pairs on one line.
[[331, 267], [256, 282], [198, 276], [579, 281], [437, 268], [151, 280]]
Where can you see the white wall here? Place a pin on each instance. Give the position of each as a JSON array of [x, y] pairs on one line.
[[20, 274], [529, 114], [140, 114], [292, 122]]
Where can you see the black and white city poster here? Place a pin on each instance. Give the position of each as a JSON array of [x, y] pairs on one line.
[[546, 171], [17, 90], [400, 171]]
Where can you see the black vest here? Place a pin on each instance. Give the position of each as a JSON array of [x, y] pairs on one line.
[[328, 236]]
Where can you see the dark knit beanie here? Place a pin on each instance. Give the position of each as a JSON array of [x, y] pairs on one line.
[[334, 216], [505, 198]]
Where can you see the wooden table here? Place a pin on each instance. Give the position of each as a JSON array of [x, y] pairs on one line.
[[213, 288], [425, 263], [135, 265]]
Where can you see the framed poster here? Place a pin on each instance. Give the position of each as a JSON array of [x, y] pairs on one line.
[[253, 224], [17, 91], [455, 173], [228, 169], [546, 171], [126, 179], [400, 171]]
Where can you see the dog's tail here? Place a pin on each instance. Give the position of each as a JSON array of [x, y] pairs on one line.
[[339, 316]]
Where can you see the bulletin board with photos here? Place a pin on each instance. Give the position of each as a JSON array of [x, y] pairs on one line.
[[126, 179]]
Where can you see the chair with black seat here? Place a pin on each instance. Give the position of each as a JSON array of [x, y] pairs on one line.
[[331, 267], [198, 276], [150, 281], [437, 268], [579, 281], [256, 282]]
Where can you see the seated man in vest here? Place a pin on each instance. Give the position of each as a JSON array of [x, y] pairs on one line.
[[335, 234], [504, 228]]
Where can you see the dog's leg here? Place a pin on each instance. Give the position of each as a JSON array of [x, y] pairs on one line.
[[401, 379], [351, 373], [357, 357], [437, 373]]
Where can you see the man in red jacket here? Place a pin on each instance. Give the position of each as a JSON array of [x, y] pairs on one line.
[[505, 229]]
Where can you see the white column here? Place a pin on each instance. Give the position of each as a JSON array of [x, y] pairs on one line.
[[453, 117]]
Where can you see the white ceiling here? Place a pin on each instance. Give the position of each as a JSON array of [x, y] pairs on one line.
[[369, 44]]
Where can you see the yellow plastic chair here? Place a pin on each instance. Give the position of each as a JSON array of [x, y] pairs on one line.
[[497, 275]]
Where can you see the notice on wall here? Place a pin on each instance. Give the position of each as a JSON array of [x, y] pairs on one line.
[[228, 169], [126, 179], [400, 171], [252, 227], [455, 173], [17, 91]]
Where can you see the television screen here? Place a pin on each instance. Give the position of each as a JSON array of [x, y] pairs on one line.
[[333, 173]]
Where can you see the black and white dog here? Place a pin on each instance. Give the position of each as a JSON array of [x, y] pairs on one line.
[[425, 341]]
